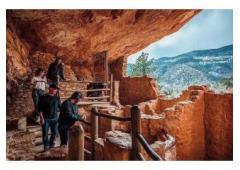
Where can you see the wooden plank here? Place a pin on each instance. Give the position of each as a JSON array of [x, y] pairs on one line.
[[104, 106], [105, 89], [141, 157], [87, 151], [77, 81], [100, 97], [111, 88], [82, 103], [92, 103], [112, 117], [94, 130], [148, 148]]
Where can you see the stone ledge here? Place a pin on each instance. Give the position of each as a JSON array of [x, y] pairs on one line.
[[58, 153]]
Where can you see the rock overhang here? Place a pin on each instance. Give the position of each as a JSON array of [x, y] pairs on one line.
[[77, 35]]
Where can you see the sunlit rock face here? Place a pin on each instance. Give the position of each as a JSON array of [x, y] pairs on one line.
[[17, 65], [77, 35]]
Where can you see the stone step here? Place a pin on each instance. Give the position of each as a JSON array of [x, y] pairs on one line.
[[38, 141], [57, 153], [16, 123], [38, 149], [36, 130]]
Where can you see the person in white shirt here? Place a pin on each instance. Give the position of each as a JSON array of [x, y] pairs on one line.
[[39, 83]]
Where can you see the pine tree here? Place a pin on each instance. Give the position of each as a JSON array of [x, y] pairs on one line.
[[143, 66]]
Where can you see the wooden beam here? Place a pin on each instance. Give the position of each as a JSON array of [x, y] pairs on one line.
[[77, 81], [135, 130], [82, 103], [111, 88], [148, 148], [92, 103], [103, 105], [94, 130], [105, 89], [141, 157], [113, 117], [76, 143], [100, 97], [87, 151]]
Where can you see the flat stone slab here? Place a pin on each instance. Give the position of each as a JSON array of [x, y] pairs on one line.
[[120, 139], [155, 117]]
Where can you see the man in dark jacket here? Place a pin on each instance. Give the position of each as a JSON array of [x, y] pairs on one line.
[[55, 71], [48, 107], [68, 116]]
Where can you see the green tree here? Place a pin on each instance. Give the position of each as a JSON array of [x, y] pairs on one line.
[[227, 82], [143, 66]]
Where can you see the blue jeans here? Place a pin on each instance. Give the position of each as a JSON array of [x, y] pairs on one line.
[[52, 124], [36, 94]]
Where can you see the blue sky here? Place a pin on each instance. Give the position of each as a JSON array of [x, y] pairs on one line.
[[209, 29]]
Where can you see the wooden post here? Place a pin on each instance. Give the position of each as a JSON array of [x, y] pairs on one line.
[[76, 143], [115, 91], [111, 88], [136, 129], [94, 130]]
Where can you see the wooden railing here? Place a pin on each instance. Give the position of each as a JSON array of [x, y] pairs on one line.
[[78, 81], [137, 138], [95, 127], [76, 143], [76, 150], [108, 88]]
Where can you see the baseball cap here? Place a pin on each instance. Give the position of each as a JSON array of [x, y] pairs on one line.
[[76, 95], [53, 86]]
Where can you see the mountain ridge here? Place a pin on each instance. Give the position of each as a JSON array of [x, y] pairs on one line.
[[196, 67]]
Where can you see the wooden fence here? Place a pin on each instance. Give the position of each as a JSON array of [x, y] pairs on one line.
[[137, 138], [107, 89]]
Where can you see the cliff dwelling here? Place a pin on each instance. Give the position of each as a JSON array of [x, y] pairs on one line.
[[131, 120]]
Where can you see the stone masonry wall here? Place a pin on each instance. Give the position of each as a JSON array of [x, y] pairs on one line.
[[219, 126], [201, 122], [118, 68], [20, 145], [70, 88], [137, 89], [184, 121], [166, 103]]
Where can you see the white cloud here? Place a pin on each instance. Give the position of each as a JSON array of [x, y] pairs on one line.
[[209, 29]]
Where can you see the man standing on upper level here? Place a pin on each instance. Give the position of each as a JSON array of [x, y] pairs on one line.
[[55, 72]]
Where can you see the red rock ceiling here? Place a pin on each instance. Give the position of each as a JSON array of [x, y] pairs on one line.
[[77, 35]]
